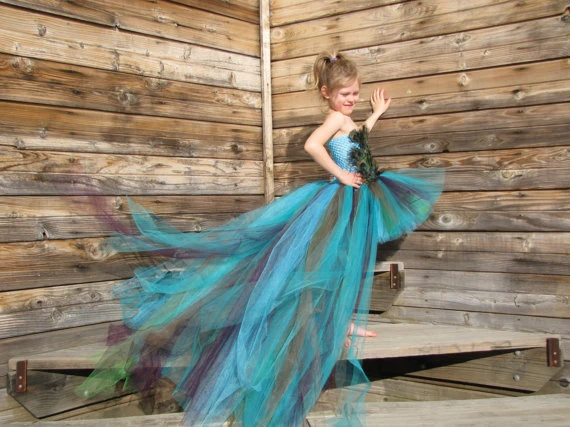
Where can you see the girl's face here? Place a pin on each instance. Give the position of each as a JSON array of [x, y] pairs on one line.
[[343, 99]]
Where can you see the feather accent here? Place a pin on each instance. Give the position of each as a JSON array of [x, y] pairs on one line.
[[361, 157]]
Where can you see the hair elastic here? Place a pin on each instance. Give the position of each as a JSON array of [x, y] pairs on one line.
[[333, 59]]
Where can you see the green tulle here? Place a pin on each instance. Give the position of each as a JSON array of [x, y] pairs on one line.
[[249, 319]]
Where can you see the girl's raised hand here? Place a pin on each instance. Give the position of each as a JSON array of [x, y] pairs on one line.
[[379, 103]]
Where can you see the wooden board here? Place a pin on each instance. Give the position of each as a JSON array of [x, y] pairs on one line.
[[474, 319], [79, 43], [541, 83], [551, 410], [393, 340], [34, 127], [360, 28], [164, 19], [36, 81]]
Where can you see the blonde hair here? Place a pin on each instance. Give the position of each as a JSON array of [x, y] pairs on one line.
[[334, 70]]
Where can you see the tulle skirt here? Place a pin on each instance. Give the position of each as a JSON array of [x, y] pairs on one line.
[[249, 320]]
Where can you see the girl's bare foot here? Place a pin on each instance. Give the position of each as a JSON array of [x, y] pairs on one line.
[[359, 332]]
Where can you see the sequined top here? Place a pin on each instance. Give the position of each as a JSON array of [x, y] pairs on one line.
[[339, 149]]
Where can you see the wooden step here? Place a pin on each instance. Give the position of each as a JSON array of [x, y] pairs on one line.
[[538, 410], [393, 340], [409, 339]]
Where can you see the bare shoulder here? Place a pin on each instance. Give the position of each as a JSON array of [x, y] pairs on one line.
[[335, 118]]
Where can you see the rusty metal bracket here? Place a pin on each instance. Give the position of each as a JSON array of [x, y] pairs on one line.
[[553, 352], [21, 376], [394, 276]]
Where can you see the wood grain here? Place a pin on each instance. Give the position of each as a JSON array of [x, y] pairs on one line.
[[412, 20], [32, 127], [116, 50], [164, 19], [46, 82]]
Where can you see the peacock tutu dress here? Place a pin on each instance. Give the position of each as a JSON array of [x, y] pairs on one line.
[[249, 320]]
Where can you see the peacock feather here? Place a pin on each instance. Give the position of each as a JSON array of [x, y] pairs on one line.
[[361, 157]]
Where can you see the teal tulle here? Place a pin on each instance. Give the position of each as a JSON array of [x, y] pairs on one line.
[[249, 320]]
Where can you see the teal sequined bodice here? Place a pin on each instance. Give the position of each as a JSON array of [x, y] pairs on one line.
[[339, 149]]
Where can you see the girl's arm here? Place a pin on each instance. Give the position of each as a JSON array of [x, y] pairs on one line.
[[315, 146], [379, 106]]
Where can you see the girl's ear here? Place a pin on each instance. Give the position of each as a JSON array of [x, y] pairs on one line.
[[325, 92]]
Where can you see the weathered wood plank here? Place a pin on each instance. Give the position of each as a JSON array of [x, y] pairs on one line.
[[60, 317], [409, 21], [490, 221], [533, 126], [46, 82], [11, 411], [543, 242], [164, 19], [455, 82], [46, 162], [47, 206], [27, 126], [288, 143], [125, 406], [49, 341], [29, 184], [61, 262], [246, 10], [503, 97], [504, 160], [93, 46], [267, 110], [506, 322], [516, 303], [520, 43], [25, 218], [405, 389], [28, 301], [73, 227], [540, 284], [506, 262], [552, 410], [54, 392], [290, 11], [393, 340], [507, 201], [460, 180]]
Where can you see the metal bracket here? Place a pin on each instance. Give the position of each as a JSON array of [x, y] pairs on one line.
[[552, 352], [394, 277], [21, 376]]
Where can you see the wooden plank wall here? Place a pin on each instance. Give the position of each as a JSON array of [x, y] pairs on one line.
[[157, 100], [481, 88]]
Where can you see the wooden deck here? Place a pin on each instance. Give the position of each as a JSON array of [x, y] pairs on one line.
[[547, 410], [393, 340]]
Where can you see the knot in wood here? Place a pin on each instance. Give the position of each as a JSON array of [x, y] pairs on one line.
[[519, 94], [463, 80], [42, 30], [126, 98]]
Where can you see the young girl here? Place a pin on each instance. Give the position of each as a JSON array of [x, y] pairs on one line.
[[249, 320]]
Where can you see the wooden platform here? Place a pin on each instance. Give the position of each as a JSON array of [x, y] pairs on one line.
[[547, 410], [51, 379], [393, 340]]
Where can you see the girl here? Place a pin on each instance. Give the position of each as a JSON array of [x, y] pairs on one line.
[[249, 320]]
